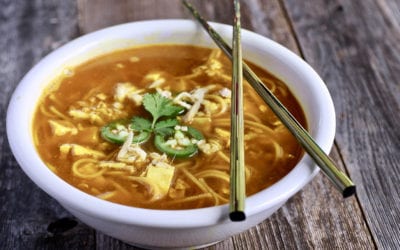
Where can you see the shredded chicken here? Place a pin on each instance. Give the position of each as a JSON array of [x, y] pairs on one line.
[[128, 91], [156, 79], [198, 96], [131, 153], [184, 99], [191, 101], [156, 158], [165, 93], [157, 83]]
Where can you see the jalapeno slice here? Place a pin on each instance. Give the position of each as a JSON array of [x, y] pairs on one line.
[[117, 132], [179, 143]]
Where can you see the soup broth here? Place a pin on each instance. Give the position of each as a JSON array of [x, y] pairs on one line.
[[150, 127]]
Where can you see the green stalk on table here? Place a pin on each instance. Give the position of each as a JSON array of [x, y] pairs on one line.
[[237, 165]]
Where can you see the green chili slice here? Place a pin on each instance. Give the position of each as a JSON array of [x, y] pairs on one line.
[[178, 143], [117, 132]]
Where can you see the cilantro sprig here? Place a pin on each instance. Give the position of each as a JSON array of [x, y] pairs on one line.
[[160, 106], [140, 123], [165, 127], [164, 119]]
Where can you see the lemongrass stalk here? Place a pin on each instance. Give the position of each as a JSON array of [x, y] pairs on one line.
[[237, 170]]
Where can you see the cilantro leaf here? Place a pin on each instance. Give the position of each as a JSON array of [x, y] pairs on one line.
[[166, 123], [165, 127], [140, 124], [165, 131], [160, 106]]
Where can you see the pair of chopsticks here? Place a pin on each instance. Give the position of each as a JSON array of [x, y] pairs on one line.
[[339, 179]]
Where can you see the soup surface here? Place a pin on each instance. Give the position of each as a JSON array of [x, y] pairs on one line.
[[150, 127]]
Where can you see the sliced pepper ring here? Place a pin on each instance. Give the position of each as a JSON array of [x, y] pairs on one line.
[[117, 132], [183, 151]]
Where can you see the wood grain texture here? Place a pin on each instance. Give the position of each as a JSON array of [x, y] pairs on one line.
[[354, 45], [92, 14], [30, 29]]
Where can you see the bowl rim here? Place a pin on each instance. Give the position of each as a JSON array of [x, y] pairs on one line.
[[70, 197]]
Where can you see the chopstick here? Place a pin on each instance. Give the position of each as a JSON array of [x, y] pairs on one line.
[[339, 179], [237, 171]]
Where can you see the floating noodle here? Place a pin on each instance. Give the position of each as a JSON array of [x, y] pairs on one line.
[[52, 168], [219, 100], [248, 124], [212, 173], [106, 195], [58, 113], [188, 164], [221, 167], [47, 113], [218, 199], [87, 168], [194, 180], [120, 189], [252, 117], [114, 173], [271, 85], [255, 126], [223, 156], [190, 199], [278, 155]]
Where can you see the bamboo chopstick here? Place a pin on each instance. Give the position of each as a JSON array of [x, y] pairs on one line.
[[237, 176], [339, 179]]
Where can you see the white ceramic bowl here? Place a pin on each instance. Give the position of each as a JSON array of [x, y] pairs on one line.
[[158, 228]]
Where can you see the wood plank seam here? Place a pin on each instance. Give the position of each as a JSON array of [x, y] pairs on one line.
[[364, 216], [291, 28]]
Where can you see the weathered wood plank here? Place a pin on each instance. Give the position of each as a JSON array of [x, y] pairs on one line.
[[267, 18], [355, 46], [92, 14], [29, 30]]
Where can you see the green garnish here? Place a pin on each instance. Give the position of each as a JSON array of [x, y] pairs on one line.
[[164, 130], [164, 127], [117, 132], [160, 106], [179, 144], [140, 123]]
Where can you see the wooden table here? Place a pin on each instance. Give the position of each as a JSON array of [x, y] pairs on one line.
[[353, 45]]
